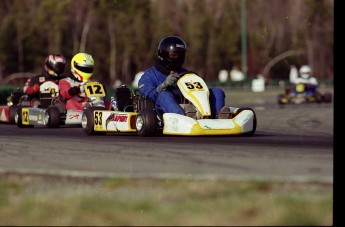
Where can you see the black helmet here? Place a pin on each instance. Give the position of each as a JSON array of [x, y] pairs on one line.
[[55, 64], [172, 52]]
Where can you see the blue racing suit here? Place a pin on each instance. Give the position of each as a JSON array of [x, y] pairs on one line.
[[305, 86], [168, 100]]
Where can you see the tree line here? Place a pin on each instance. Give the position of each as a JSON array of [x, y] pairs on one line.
[[123, 35]]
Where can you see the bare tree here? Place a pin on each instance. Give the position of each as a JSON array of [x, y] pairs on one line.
[[112, 37], [86, 27], [80, 9]]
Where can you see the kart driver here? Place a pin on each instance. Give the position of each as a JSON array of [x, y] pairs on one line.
[[159, 81], [305, 77], [53, 69], [82, 65]]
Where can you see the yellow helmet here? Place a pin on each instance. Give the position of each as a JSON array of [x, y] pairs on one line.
[[82, 66]]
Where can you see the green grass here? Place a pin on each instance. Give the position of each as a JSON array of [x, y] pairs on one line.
[[48, 200]]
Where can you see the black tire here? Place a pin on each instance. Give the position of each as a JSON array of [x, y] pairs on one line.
[[251, 133], [318, 97], [53, 115], [12, 111], [88, 121], [327, 97], [19, 119], [146, 122], [280, 99]]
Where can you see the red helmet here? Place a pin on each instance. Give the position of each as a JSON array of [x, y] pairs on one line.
[[55, 64]]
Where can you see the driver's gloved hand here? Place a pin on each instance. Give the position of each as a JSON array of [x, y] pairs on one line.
[[170, 80], [74, 91]]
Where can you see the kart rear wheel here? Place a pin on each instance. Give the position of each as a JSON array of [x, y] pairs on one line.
[[146, 122], [317, 98], [327, 97], [52, 117], [88, 121], [12, 111]]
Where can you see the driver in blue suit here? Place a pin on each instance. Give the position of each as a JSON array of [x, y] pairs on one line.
[[159, 81]]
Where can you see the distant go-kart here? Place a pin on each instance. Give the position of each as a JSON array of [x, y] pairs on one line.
[[137, 114], [51, 110], [8, 111], [300, 95]]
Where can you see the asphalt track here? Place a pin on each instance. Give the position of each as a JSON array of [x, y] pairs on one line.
[[293, 143]]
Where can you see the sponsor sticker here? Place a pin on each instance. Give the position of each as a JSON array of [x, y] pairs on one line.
[[73, 116]]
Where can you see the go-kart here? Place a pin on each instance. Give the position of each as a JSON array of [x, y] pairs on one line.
[[136, 113], [8, 111], [298, 94], [50, 110]]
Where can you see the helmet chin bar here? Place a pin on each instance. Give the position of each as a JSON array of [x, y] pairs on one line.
[[305, 75], [77, 76], [51, 72], [173, 66]]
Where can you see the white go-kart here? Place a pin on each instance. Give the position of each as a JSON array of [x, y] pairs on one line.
[[137, 114]]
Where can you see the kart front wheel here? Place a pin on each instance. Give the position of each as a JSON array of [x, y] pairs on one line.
[[282, 99], [316, 98], [52, 117], [146, 122], [12, 111], [88, 121]]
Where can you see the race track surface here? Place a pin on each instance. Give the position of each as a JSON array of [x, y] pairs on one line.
[[293, 143]]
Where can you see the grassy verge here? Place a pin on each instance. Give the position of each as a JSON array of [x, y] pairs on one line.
[[60, 201], [239, 96]]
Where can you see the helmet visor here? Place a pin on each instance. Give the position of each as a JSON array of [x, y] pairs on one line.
[[59, 68], [84, 68], [176, 55], [175, 59]]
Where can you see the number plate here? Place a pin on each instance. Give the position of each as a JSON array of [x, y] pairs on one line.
[[94, 89]]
